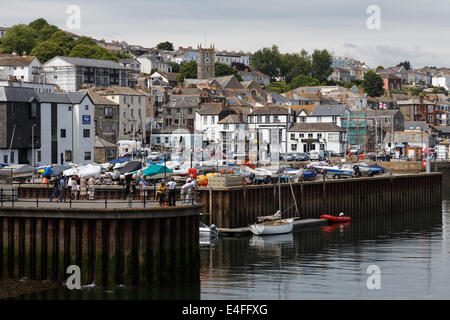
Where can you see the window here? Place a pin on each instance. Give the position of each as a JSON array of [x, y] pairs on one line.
[[108, 112], [310, 135], [292, 135], [319, 119], [124, 99], [5, 158], [86, 107], [12, 156], [33, 110], [39, 156], [226, 126], [68, 155], [69, 108], [55, 77], [139, 113], [87, 156], [205, 120], [430, 108], [158, 140], [213, 119], [132, 100], [132, 113], [63, 133], [86, 133], [335, 120], [124, 114], [293, 147], [430, 118], [301, 135], [319, 136]]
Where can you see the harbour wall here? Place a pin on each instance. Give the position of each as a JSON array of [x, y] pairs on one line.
[[111, 246], [237, 207]]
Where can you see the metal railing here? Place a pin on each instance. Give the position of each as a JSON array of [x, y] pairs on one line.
[[9, 197]]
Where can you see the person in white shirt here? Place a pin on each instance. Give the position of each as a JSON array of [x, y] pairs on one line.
[[172, 184], [91, 188]]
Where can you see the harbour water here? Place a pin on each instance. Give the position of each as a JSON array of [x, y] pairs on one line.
[[412, 252]]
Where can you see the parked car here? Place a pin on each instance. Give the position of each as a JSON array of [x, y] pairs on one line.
[[301, 156], [355, 150], [290, 157], [317, 155]]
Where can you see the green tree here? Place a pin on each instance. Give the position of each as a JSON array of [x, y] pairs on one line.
[[122, 55], [175, 66], [405, 64], [47, 32], [38, 24], [46, 50], [268, 61], [440, 90], [221, 69], [294, 64], [91, 52], [303, 81], [168, 46], [277, 86], [188, 71], [321, 64], [19, 38], [85, 40], [373, 84], [379, 68], [64, 40]]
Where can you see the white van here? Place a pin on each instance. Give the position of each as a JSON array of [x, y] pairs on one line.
[[317, 155]]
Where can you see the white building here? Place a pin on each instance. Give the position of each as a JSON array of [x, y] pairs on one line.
[[149, 62], [256, 76], [229, 58], [184, 55], [441, 81], [67, 128], [304, 137], [71, 74], [38, 87], [22, 68]]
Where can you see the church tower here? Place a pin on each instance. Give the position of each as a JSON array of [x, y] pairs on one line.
[[205, 62]]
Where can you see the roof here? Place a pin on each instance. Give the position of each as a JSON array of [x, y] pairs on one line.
[[102, 143], [120, 91], [315, 127], [255, 73], [413, 125], [84, 62], [210, 108], [225, 81], [413, 101], [98, 99], [329, 110], [17, 61], [229, 119], [171, 76], [177, 101], [17, 94], [270, 110], [59, 97]]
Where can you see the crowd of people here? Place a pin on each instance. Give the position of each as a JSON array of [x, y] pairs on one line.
[[81, 188], [74, 187]]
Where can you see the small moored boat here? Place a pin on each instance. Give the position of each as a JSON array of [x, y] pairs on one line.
[[334, 219]]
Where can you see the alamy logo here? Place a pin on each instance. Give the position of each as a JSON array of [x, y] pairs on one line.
[[374, 280], [74, 280], [374, 20], [74, 19]]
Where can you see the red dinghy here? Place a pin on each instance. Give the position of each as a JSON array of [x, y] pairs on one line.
[[335, 219]]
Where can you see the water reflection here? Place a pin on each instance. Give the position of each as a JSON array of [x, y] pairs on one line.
[[331, 262]]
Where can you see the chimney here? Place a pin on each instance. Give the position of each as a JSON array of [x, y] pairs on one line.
[[14, 54], [24, 54]]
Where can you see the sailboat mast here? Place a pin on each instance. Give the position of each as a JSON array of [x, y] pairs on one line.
[[279, 172]]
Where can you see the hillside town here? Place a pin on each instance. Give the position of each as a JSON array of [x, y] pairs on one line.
[[83, 110]]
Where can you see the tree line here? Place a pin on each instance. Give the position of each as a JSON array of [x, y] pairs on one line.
[[46, 41]]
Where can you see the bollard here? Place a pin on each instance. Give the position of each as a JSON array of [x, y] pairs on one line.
[[106, 200]]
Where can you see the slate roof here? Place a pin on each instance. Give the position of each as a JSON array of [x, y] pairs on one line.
[[270, 110], [17, 94], [315, 127], [412, 125], [84, 62], [102, 143], [16, 61], [329, 110], [179, 101], [229, 119], [210, 108]]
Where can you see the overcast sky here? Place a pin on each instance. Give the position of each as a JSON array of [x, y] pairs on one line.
[[412, 30]]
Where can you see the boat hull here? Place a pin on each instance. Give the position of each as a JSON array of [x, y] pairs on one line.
[[285, 226], [334, 219]]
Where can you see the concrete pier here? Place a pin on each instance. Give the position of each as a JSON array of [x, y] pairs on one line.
[[111, 246]]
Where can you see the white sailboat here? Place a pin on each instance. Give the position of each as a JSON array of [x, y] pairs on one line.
[[274, 225]]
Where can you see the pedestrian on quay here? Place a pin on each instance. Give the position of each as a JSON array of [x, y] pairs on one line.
[[194, 190], [69, 185], [83, 188], [186, 191], [161, 193], [56, 189], [62, 184], [130, 190], [91, 187], [75, 188], [143, 187], [172, 195]]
